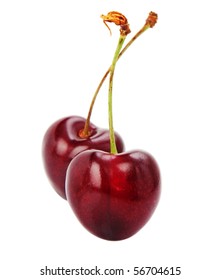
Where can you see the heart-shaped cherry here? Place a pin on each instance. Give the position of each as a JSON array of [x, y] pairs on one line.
[[62, 142], [113, 196]]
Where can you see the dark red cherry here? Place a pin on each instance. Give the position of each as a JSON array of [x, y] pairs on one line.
[[62, 143], [113, 196]]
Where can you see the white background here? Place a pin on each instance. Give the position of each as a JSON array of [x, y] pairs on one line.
[[166, 101]]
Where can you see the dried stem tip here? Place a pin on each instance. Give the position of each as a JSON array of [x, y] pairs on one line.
[[152, 19], [118, 19]]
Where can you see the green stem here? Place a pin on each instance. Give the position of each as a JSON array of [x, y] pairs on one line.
[[85, 132], [113, 148]]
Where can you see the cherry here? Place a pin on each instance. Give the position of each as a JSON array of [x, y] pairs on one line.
[[62, 142], [113, 196]]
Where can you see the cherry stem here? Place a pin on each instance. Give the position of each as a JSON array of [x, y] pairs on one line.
[[150, 22], [113, 147]]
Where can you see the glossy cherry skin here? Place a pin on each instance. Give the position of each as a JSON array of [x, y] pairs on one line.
[[62, 143], [113, 196]]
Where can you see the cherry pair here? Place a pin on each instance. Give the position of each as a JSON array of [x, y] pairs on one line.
[[113, 193]]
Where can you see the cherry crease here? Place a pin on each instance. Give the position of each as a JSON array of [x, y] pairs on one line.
[[113, 196], [62, 143]]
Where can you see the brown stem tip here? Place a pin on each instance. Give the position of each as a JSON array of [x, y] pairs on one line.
[[152, 19], [118, 19]]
